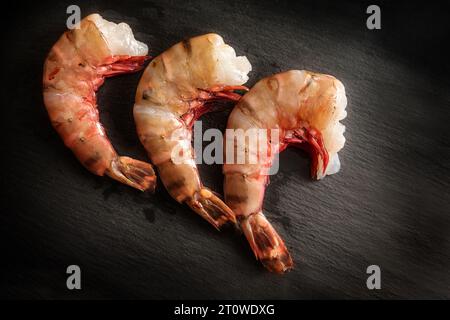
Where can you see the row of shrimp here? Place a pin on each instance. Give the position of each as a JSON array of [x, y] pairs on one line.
[[176, 88]]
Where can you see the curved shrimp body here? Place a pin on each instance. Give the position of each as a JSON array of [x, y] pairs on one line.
[[74, 70], [304, 108], [176, 88]]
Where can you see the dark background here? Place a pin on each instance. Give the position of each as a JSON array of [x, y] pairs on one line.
[[388, 206]]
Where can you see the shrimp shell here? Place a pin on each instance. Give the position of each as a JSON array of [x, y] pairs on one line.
[[305, 108], [176, 88], [74, 70]]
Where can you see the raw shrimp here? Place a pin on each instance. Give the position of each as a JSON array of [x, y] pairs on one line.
[[305, 108], [74, 70], [177, 87]]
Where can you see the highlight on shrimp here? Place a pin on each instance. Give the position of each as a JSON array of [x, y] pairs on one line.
[[305, 108], [176, 88], [74, 70]]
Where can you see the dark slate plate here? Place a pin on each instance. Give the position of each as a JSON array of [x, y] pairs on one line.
[[388, 206]]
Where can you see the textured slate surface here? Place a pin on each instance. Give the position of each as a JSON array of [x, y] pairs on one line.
[[388, 206]]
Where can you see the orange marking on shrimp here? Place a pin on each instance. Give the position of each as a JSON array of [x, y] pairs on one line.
[[316, 140], [201, 105], [90, 100], [122, 64], [52, 74]]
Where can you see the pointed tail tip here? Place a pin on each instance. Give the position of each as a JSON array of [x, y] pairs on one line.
[[211, 208], [135, 173], [266, 244], [280, 264]]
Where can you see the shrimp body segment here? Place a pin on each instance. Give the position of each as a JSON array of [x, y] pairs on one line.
[[176, 88], [74, 70], [305, 109]]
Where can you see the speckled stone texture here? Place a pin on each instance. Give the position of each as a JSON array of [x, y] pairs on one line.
[[388, 206]]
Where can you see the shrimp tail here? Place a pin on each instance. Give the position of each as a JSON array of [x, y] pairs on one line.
[[211, 208], [266, 244], [135, 173]]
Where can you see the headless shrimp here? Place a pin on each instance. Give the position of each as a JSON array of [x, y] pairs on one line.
[[74, 70], [176, 88], [305, 108]]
